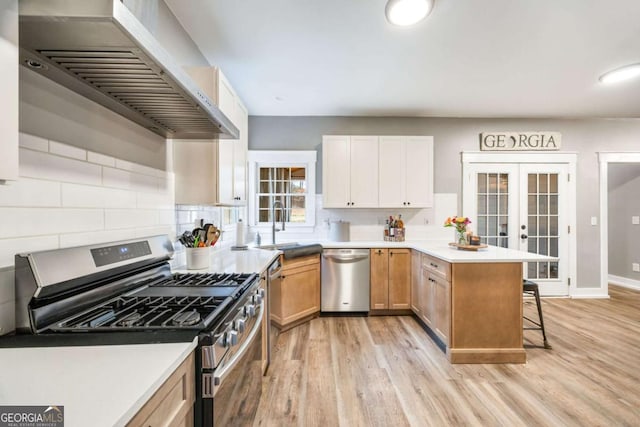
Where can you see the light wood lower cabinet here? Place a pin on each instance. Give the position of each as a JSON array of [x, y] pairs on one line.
[[475, 309], [416, 282], [390, 279], [297, 297], [172, 404], [431, 300]]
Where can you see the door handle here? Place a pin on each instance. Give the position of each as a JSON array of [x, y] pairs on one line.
[[524, 236]]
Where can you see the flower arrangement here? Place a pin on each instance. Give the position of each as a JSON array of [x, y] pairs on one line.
[[460, 223]]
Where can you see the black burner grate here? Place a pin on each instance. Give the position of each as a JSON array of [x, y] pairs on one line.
[[148, 313], [206, 280]]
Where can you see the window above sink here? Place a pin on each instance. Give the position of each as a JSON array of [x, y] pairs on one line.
[[287, 177]]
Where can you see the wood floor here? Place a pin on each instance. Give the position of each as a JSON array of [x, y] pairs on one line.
[[385, 371]]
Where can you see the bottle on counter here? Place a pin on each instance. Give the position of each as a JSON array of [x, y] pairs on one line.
[[386, 231], [400, 232], [392, 229]]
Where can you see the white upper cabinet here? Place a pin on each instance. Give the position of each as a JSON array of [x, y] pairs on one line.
[[406, 172], [350, 171], [195, 167], [9, 64], [377, 172], [231, 154]]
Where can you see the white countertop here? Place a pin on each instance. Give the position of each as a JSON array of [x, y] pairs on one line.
[[442, 250], [252, 260], [98, 386]]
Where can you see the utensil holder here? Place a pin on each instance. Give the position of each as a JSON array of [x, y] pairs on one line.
[[197, 258]]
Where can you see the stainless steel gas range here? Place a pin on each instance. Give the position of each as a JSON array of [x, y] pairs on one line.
[[125, 292]]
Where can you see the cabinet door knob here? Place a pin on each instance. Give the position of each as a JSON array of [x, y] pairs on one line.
[[408, 203]]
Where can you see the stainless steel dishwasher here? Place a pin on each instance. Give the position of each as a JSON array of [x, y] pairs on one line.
[[345, 280]]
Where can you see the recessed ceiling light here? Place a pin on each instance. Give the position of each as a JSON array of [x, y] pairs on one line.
[[620, 74], [407, 12]]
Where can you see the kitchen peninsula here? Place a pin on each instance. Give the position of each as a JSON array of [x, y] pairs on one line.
[[470, 301]]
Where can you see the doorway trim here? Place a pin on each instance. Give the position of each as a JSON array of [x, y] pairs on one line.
[[604, 158], [567, 157]]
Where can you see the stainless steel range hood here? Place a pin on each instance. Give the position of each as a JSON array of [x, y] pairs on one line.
[[99, 49]]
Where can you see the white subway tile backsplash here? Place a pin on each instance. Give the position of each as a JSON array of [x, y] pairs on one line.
[[22, 222], [183, 217], [116, 178], [154, 201], [7, 287], [145, 182], [33, 142], [101, 159], [34, 164], [124, 165], [30, 192], [146, 170], [138, 168], [67, 150], [87, 196], [154, 231], [89, 238], [129, 218], [166, 217], [129, 180], [10, 247], [7, 317]]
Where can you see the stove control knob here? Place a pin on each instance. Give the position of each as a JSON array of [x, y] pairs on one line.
[[260, 292], [239, 325], [257, 299], [231, 338], [250, 310]]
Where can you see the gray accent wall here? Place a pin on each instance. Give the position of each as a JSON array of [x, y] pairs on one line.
[[624, 202], [452, 136]]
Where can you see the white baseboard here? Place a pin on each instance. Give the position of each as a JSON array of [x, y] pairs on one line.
[[588, 293], [625, 282]]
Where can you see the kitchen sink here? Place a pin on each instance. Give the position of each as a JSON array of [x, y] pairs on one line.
[[280, 246], [294, 250]]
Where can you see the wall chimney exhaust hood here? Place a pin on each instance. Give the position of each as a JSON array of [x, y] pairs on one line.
[[100, 50]]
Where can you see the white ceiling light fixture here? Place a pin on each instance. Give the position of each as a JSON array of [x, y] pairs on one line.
[[621, 74], [407, 12]]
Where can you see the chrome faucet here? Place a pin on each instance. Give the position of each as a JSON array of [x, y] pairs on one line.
[[273, 218]]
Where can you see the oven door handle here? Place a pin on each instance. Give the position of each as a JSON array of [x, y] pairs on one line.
[[220, 375]]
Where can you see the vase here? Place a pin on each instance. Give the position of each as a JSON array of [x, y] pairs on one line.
[[461, 237]]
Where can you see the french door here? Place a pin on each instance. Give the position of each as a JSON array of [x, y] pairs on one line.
[[523, 206]]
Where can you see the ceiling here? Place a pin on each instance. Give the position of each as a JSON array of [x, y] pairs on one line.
[[469, 58]]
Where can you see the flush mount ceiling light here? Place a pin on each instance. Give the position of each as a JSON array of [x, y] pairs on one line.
[[620, 74], [407, 12]]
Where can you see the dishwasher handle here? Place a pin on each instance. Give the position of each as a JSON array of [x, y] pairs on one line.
[[343, 258]]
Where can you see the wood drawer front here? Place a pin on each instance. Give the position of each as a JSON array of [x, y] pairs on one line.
[[172, 404], [288, 264], [437, 266]]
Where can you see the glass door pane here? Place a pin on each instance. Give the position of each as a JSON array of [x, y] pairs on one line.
[[542, 221], [492, 210]]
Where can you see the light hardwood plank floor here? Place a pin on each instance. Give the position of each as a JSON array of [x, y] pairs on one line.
[[385, 371]]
